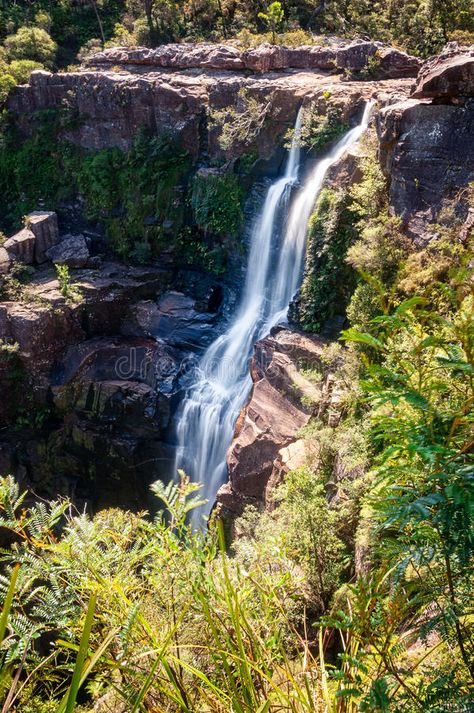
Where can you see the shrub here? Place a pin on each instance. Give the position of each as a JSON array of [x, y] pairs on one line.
[[31, 43], [216, 201], [7, 82], [20, 69]]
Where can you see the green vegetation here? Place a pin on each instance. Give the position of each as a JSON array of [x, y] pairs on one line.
[[156, 616], [68, 291], [273, 17], [216, 200], [319, 130], [328, 281], [139, 196]]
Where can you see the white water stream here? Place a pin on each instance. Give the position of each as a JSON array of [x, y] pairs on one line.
[[208, 413]]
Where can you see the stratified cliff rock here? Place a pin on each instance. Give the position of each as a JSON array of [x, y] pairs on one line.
[[192, 91], [266, 443], [426, 142]]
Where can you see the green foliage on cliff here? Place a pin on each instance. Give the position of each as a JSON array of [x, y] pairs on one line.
[[320, 130], [139, 196], [328, 281], [216, 200], [124, 190]]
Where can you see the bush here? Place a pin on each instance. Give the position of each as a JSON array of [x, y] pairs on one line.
[[20, 69], [7, 82], [216, 201], [31, 43]]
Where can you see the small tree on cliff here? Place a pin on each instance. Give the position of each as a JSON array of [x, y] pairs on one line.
[[273, 18]]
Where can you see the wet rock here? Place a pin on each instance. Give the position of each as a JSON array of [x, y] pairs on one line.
[[174, 319], [266, 437], [72, 251], [451, 74]]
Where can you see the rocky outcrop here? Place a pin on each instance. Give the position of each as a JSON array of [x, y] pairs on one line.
[[266, 443], [448, 76], [352, 56], [89, 387], [21, 246], [31, 244], [426, 147]]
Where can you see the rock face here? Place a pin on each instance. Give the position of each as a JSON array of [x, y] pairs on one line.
[[428, 156], [426, 146], [447, 76], [105, 396], [266, 443]]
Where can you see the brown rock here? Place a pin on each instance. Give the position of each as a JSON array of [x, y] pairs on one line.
[[265, 444], [5, 261], [21, 246], [40, 332], [44, 226], [174, 56], [449, 75], [352, 56]]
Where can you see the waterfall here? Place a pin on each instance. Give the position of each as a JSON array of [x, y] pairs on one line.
[[206, 418]]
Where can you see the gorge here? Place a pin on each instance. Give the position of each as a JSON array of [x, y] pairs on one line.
[[236, 343]]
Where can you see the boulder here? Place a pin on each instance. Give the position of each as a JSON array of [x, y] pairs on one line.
[[173, 56], [174, 319], [448, 76], [44, 226], [72, 251], [40, 332], [21, 246], [395, 64], [5, 261]]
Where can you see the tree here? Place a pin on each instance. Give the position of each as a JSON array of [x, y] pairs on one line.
[[273, 17]]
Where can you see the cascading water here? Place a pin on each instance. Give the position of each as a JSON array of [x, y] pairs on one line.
[[210, 408]]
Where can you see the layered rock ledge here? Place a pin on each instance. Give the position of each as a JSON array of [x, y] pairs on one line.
[[387, 62], [192, 92]]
